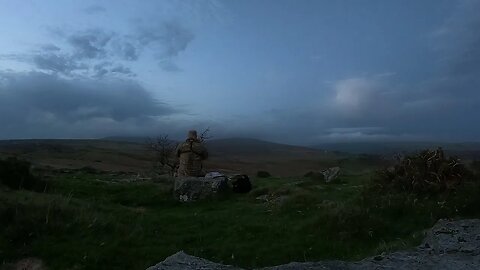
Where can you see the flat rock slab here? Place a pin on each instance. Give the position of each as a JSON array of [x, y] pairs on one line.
[[181, 260], [188, 189], [448, 245]]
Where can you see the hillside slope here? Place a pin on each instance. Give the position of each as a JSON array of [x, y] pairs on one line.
[[228, 155]]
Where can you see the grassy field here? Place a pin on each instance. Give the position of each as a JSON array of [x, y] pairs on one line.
[[87, 221], [96, 220]]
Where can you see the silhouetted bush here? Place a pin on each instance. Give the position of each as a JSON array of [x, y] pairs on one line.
[[263, 174], [428, 172], [16, 174]]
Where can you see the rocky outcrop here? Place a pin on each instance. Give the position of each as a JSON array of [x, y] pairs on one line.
[[189, 189], [448, 245], [25, 264], [181, 261], [331, 174]]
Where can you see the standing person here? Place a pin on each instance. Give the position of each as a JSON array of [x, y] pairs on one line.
[[190, 155]]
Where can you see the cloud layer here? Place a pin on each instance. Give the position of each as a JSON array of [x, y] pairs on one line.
[[286, 78], [84, 50], [39, 104]]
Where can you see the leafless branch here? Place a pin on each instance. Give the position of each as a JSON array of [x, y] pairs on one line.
[[204, 136], [164, 149]]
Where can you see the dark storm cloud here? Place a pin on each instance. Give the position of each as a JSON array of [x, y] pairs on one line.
[[32, 103], [94, 9], [90, 44]]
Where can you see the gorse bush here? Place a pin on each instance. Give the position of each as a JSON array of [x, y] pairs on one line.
[[420, 189], [428, 172], [16, 174]]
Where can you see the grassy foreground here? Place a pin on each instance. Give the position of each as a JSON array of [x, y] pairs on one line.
[[84, 221]]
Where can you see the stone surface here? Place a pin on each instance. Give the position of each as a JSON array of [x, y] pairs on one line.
[[240, 183], [189, 189], [181, 260], [214, 175], [331, 174], [25, 264], [448, 245]]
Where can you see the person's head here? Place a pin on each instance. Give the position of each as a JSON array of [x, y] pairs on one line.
[[192, 134]]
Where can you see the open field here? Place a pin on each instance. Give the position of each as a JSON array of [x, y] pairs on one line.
[[98, 220]]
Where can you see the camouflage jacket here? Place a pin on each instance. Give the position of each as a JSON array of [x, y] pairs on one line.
[[190, 155]]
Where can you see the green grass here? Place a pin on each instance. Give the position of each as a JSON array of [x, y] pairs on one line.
[[86, 222]]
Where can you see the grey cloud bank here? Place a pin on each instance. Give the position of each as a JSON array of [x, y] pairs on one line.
[[45, 105]]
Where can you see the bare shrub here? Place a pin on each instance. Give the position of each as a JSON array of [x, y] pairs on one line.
[[166, 161], [427, 172]]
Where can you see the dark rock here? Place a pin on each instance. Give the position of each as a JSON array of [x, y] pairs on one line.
[[378, 258], [181, 261], [241, 183], [331, 174], [189, 189]]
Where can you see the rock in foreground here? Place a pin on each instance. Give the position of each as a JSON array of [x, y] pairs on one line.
[[331, 174], [448, 245], [181, 260], [189, 189]]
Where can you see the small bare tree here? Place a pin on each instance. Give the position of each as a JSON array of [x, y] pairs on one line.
[[165, 152], [165, 158], [204, 136]]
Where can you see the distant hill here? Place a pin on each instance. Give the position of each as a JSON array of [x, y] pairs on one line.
[[468, 149], [228, 155], [255, 147], [130, 154], [236, 146], [245, 146], [126, 139]]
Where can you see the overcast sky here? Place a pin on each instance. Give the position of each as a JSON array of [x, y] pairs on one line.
[[294, 71]]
